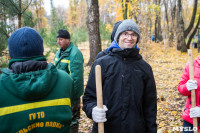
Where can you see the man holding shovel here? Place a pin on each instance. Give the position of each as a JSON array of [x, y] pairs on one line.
[[129, 91]]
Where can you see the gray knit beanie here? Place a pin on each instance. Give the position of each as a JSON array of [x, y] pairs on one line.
[[127, 25]]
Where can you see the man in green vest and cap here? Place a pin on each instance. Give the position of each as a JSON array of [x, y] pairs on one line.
[[70, 59]]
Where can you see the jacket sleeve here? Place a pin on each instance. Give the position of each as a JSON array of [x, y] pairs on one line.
[[150, 103], [76, 72], [182, 84], [89, 98]]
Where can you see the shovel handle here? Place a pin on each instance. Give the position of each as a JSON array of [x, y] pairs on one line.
[[99, 94], [193, 95]]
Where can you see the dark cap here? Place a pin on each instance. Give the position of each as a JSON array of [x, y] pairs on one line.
[[63, 34]]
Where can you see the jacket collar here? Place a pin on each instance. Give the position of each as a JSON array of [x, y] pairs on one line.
[[67, 50], [127, 53], [28, 66]]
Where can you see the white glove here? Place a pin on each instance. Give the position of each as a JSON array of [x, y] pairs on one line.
[[191, 85], [98, 114], [195, 112]]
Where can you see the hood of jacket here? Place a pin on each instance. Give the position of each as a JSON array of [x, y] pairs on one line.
[[67, 51], [113, 45], [31, 85]]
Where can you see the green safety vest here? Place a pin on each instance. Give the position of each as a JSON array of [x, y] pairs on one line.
[[35, 102]]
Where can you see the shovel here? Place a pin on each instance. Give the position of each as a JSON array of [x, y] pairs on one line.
[[193, 96], [99, 95]]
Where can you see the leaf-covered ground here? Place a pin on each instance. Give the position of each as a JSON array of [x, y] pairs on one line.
[[167, 64]]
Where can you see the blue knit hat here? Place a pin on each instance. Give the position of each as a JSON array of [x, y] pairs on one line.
[[127, 25], [24, 43]]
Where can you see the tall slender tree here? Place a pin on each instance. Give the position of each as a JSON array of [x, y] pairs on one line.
[[54, 17], [180, 40], [93, 29], [125, 8], [158, 31], [38, 11], [194, 31], [181, 32], [172, 28]]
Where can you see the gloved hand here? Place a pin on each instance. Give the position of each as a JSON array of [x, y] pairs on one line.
[[99, 115], [191, 85], [195, 112]]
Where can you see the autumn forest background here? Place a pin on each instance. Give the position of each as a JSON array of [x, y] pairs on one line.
[[174, 23]]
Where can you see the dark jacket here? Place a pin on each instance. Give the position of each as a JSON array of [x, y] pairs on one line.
[[35, 101], [102, 53], [129, 92]]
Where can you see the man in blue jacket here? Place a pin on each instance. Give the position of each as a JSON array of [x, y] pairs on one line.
[[129, 90]]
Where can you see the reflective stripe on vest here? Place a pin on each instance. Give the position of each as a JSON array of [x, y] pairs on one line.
[[23, 107], [64, 61]]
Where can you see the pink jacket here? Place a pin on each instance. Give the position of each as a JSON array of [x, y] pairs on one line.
[[183, 89]]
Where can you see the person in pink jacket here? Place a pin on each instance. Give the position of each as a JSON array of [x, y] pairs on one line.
[[185, 86]]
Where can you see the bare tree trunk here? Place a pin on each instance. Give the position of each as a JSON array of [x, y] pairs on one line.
[[187, 31], [20, 14], [37, 14], [172, 26], [167, 29], [193, 33], [181, 45], [93, 29], [181, 33], [158, 32], [125, 8], [40, 20]]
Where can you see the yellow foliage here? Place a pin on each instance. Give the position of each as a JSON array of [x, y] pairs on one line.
[[76, 13], [72, 14], [174, 112], [44, 23], [37, 9], [119, 13], [109, 27]]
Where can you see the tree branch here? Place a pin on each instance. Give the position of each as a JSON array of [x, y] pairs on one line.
[[187, 31], [26, 7], [4, 4], [193, 33], [4, 32], [15, 6]]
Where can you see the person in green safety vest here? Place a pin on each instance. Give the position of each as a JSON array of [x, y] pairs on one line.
[[34, 96], [70, 59]]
